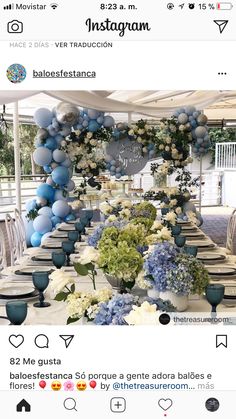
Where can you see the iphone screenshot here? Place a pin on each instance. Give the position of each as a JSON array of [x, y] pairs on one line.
[[117, 209]]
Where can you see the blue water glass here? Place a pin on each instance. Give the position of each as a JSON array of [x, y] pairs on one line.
[[214, 295], [180, 241], [165, 211], [73, 236], [41, 281], [80, 228], [176, 230], [84, 221], [68, 247], [89, 214], [58, 259], [16, 312], [191, 250]]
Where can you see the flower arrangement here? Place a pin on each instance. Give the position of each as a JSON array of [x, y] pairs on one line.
[[86, 304], [168, 270], [117, 209], [144, 209], [86, 264], [146, 314], [143, 134]]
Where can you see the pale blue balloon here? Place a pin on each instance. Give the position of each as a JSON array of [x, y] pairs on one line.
[[118, 175], [66, 163], [60, 175], [93, 114], [55, 220], [42, 156], [200, 132], [45, 191], [30, 205], [59, 156], [190, 110], [47, 169], [65, 131], [46, 211], [109, 121], [70, 186], [60, 194], [85, 124], [43, 117], [59, 138], [100, 120], [36, 239], [42, 224], [60, 209], [29, 231]]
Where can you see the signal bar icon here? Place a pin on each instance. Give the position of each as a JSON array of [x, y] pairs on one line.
[[9, 7]]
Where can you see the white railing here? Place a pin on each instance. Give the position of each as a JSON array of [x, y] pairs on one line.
[[225, 156]]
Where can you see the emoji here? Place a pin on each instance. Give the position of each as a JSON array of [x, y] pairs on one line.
[[42, 384], [92, 384], [68, 386], [56, 385], [81, 385]]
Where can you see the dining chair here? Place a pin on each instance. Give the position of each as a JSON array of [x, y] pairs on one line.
[[21, 231], [231, 236], [3, 256], [13, 239]]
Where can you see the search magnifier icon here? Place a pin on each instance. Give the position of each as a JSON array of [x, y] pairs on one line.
[[70, 404]]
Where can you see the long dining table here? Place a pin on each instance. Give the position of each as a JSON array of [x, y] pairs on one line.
[[215, 259]]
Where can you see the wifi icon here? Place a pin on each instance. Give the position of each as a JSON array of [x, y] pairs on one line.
[[54, 5]]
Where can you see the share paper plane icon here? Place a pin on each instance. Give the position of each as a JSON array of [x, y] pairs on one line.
[[67, 339], [221, 24]]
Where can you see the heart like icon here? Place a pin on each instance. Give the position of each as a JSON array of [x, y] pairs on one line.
[[165, 404], [16, 340]]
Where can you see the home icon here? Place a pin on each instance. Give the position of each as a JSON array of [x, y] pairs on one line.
[[23, 406]]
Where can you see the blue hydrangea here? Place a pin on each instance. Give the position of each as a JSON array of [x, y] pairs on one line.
[[159, 263], [114, 311]]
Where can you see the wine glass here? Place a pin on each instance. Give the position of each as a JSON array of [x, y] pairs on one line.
[[79, 227], [180, 241], [89, 214], [41, 281], [68, 247], [58, 259], [73, 236], [191, 250], [176, 230], [214, 295], [16, 312], [84, 222]]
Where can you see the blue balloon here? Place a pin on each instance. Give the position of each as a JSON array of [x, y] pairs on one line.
[[42, 224], [100, 120], [47, 169], [113, 168], [113, 162], [30, 205], [51, 143], [59, 156], [52, 131], [45, 191], [85, 124], [61, 175], [70, 186], [55, 220], [59, 138], [60, 208], [108, 121], [49, 181], [118, 175], [70, 217], [42, 156], [190, 110], [43, 117], [38, 143], [66, 163], [60, 194], [65, 131], [45, 236], [46, 211], [93, 114], [36, 239], [29, 230], [93, 126]]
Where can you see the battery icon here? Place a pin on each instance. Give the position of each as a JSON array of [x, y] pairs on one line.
[[224, 6]]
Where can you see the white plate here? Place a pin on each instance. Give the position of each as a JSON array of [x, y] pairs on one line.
[[59, 235], [42, 257], [52, 246], [202, 243], [14, 291], [4, 321], [224, 270], [211, 256], [66, 227], [28, 270]]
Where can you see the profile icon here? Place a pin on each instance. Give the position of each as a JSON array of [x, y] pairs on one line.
[[16, 73]]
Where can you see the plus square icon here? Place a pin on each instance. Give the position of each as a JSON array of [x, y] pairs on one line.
[[118, 405]]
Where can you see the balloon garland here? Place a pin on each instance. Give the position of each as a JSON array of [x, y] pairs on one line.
[[58, 130]]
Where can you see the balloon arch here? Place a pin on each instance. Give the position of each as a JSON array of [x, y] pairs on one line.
[[87, 141]]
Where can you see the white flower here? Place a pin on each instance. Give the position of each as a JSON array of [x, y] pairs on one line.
[[142, 282], [131, 132], [77, 132], [167, 148], [164, 234], [104, 196], [126, 204], [173, 202], [93, 142], [112, 218], [178, 210], [141, 131], [125, 213], [139, 140], [89, 135], [89, 255], [157, 225], [145, 150], [161, 147], [59, 279], [105, 208], [93, 165], [170, 217], [146, 314]]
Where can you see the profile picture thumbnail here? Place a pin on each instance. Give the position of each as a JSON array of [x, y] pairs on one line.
[[16, 73]]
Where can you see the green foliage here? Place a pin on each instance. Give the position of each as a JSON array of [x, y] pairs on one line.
[[146, 222], [144, 209], [220, 136], [32, 214]]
